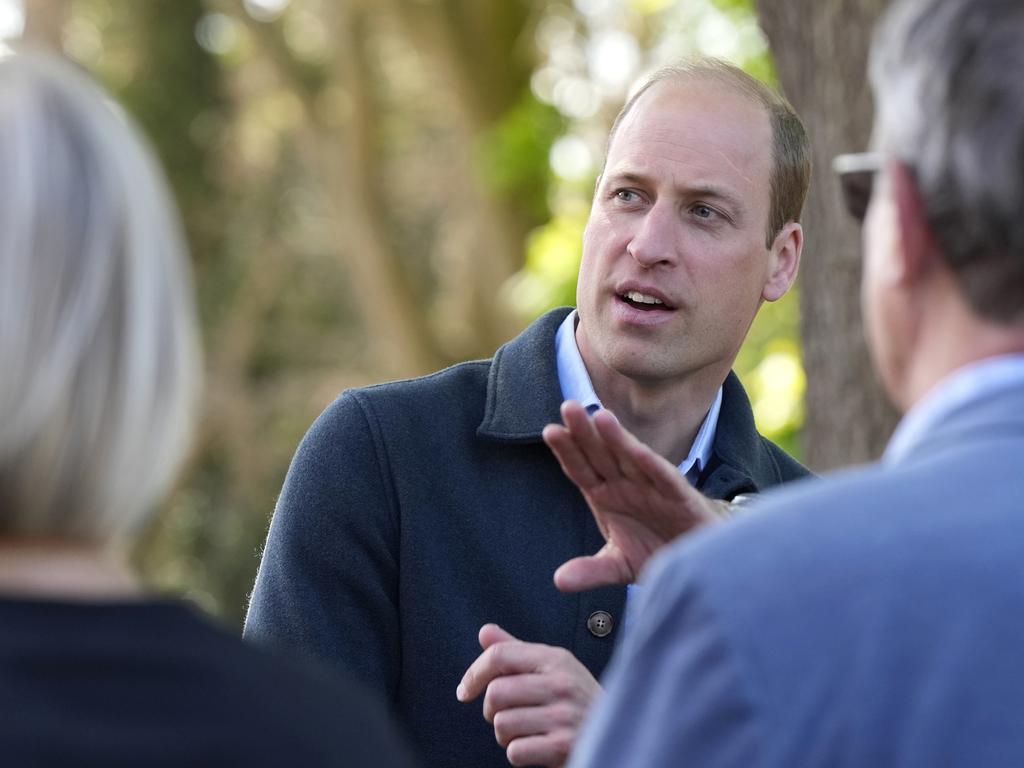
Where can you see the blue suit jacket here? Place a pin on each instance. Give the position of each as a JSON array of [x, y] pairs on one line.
[[416, 511], [875, 618]]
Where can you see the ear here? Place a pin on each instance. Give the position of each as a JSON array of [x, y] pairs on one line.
[[917, 252], [785, 261]]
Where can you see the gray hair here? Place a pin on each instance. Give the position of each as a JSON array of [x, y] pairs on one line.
[[948, 77], [98, 340], [790, 174]]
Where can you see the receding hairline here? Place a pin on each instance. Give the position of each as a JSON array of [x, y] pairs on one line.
[[702, 71]]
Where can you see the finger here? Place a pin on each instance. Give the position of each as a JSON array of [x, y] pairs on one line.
[[671, 489], [673, 506], [619, 444], [572, 409], [517, 691], [490, 634], [592, 571], [511, 724], [551, 749], [588, 441], [627, 450], [506, 658], [574, 464]]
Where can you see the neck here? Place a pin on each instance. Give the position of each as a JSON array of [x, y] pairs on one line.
[[62, 570], [665, 416], [951, 337]]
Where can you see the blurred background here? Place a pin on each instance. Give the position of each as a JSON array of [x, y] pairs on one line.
[[374, 189]]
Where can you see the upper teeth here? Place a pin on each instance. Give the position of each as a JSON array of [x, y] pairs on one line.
[[642, 298]]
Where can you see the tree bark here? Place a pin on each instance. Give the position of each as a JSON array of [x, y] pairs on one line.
[[820, 51]]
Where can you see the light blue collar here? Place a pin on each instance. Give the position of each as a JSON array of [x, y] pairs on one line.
[[972, 382], [576, 385]]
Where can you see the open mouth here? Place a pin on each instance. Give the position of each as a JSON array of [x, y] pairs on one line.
[[643, 301]]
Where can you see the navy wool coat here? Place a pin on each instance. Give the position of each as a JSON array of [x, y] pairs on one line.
[[416, 511]]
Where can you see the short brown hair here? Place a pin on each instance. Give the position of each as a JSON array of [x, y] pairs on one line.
[[790, 173]]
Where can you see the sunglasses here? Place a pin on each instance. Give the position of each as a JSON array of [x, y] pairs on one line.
[[856, 175]]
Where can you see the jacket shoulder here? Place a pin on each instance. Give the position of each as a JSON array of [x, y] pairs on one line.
[[459, 389], [789, 468]]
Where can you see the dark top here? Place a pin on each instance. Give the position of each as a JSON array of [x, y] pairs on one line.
[[416, 511], [154, 683]]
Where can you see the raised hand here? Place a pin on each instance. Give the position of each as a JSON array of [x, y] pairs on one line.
[[536, 696], [639, 500]]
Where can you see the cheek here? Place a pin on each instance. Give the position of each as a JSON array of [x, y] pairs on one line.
[[733, 277], [598, 247], [586, 280]]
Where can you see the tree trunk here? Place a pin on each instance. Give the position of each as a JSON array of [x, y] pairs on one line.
[[820, 51]]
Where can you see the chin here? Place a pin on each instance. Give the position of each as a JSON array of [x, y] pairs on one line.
[[643, 368]]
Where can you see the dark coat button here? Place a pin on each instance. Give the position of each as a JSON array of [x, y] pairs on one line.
[[600, 623]]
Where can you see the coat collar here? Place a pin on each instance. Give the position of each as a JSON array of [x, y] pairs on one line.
[[742, 463], [989, 413], [985, 395], [523, 393]]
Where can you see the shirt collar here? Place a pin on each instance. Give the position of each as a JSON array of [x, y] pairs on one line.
[[972, 382], [576, 385]]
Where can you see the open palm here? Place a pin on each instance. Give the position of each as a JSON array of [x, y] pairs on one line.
[[639, 500]]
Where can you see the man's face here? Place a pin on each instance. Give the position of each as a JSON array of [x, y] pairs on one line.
[[674, 260]]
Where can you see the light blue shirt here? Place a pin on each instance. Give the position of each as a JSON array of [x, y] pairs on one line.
[[969, 383], [576, 385]]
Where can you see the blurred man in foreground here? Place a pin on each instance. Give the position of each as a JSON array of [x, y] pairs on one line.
[[415, 512], [874, 618], [99, 353]]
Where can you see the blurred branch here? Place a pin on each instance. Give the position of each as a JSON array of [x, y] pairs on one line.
[[388, 301], [389, 307], [477, 46], [476, 50]]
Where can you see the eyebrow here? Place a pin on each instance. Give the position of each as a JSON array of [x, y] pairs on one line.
[[706, 191]]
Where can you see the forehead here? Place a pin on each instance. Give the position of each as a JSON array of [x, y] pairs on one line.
[[696, 131]]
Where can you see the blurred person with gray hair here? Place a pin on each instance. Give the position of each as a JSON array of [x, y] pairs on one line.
[[873, 618], [101, 374]]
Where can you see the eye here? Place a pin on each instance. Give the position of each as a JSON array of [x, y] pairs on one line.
[[702, 211], [627, 196]]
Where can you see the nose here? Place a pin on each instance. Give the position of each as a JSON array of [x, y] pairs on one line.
[[653, 241]]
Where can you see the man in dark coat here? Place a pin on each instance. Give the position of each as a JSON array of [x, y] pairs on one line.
[[872, 618], [415, 512]]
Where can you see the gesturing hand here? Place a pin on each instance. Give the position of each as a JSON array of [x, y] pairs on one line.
[[537, 696], [639, 500]]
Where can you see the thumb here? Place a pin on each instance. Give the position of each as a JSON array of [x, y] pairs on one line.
[[491, 634], [583, 573]]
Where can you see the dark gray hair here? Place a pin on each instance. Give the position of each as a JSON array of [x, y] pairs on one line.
[[948, 78], [790, 173], [98, 341]]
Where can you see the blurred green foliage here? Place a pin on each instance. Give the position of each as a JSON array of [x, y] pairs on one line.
[[514, 152]]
